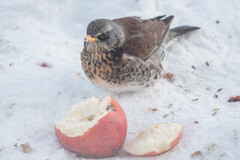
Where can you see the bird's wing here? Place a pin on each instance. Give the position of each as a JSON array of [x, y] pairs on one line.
[[143, 37]]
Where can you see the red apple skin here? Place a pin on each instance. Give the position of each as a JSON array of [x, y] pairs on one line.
[[173, 144], [102, 140]]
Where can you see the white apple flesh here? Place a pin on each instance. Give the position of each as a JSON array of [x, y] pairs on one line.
[[155, 140]]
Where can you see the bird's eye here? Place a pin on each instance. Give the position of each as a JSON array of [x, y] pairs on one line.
[[103, 36]]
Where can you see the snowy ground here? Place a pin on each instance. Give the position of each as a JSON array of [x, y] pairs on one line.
[[32, 97]]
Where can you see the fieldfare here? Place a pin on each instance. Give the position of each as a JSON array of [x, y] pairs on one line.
[[126, 53]]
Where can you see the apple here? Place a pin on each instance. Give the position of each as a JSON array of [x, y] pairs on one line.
[[94, 128], [155, 140]]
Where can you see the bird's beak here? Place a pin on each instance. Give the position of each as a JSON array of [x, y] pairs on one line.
[[91, 39]]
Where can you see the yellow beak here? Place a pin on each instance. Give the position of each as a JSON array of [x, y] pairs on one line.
[[90, 38]]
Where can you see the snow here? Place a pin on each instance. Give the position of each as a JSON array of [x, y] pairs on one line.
[[32, 97]]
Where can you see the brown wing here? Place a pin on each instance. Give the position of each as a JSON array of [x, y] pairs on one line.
[[142, 37]]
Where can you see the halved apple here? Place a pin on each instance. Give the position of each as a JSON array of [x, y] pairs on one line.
[[94, 128], [155, 140]]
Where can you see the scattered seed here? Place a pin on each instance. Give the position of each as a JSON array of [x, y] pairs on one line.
[[220, 89], [215, 96], [193, 67], [195, 99], [210, 147], [197, 153], [168, 76], [165, 116], [196, 122], [234, 99], [11, 105], [207, 63], [26, 148], [170, 105], [217, 21], [180, 86], [223, 154], [235, 132], [214, 113], [15, 145], [45, 65], [153, 109], [187, 90]]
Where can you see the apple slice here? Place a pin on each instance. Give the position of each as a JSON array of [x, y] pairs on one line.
[[93, 128], [155, 140]]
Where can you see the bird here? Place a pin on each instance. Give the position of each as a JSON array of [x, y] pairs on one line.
[[126, 54]]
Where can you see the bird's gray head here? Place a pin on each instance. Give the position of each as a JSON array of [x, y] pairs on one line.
[[102, 35]]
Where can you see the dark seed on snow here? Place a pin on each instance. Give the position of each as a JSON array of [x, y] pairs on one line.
[[214, 113], [165, 116], [220, 89], [170, 105]]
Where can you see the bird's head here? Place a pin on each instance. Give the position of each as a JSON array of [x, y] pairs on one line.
[[103, 35]]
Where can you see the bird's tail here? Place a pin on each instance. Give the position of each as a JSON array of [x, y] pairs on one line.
[[178, 31]]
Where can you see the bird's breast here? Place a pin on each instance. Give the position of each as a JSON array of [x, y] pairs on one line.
[[110, 72], [102, 69]]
